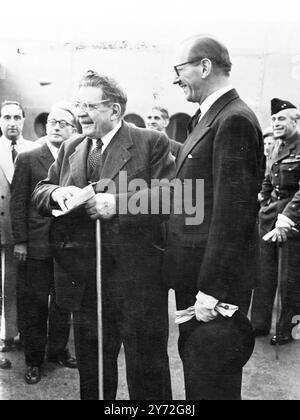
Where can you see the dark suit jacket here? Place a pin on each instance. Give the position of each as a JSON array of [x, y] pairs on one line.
[[126, 239], [175, 147], [27, 224], [218, 256]]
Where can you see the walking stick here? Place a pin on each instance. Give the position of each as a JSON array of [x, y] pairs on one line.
[[99, 312], [278, 297]]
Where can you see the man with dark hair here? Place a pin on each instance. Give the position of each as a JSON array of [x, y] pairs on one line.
[[44, 323], [212, 266], [11, 143], [158, 119], [134, 300], [279, 198]]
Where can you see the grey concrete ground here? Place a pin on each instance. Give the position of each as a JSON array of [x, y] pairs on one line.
[[264, 377]]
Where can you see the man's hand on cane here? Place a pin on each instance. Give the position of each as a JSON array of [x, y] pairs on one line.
[[283, 226], [101, 206]]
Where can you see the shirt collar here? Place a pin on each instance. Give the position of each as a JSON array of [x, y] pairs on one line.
[[211, 99], [8, 142], [108, 137], [53, 149]]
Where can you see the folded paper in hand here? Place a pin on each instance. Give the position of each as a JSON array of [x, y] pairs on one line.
[[84, 195]]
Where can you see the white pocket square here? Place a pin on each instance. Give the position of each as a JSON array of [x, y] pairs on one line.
[[190, 157]]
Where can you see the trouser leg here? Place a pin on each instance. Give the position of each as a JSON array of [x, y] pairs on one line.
[[9, 270], [58, 325], [36, 299], [86, 345], [264, 294], [145, 329]]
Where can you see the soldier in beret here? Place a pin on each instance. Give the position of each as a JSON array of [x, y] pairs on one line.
[[278, 206]]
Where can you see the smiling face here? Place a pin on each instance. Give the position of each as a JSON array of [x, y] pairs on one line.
[[284, 125], [12, 121], [96, 119], [190, 76], [156, 120]]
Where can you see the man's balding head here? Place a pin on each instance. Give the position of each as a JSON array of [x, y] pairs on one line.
[[206, 46], [204, 67]]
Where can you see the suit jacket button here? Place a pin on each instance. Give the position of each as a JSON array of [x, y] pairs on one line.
[[2, 196], [2, 213]]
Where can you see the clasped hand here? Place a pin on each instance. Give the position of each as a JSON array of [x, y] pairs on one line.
[[101, 206], [203, 313]]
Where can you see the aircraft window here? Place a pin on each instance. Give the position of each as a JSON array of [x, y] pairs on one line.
[[40, 124], [135, 119], [177, 128]]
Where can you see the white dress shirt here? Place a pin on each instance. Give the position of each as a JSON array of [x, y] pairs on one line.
[[54, 150], [211, 99], [107, 138]]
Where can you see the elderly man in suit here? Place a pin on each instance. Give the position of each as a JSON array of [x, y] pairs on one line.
[[158, 119], [212, 265], [134, 300], [12, 117], [31, 238]]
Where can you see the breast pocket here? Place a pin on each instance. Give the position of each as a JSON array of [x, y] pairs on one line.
[[290, 174]]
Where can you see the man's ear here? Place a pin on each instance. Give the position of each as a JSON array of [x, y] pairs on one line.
[[117, 112], [207, 67], [166, 122]]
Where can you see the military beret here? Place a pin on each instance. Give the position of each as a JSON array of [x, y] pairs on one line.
[[278, 105]]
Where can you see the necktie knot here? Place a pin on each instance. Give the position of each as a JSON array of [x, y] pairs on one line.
[[194, 121], [95, 160]]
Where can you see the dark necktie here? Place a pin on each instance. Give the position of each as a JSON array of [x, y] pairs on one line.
[[94, 161], [14, 152], [194, 121]]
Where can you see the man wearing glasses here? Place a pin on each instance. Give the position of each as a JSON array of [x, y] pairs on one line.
[[12, 118], [44, 324], [134, 303], [211, 266]]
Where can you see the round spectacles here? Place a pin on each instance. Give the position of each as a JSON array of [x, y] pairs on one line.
[[61, 123], [89, 106]]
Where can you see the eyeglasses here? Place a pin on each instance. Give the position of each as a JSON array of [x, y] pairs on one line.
[[178, 68], [62, 123], [89, 107]]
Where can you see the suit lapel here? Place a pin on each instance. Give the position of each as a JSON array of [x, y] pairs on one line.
[[78, 163], [46, 158], [117, 153], [204, 125]]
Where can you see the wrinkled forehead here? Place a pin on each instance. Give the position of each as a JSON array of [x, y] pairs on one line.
[[60, 114], [11, 111]]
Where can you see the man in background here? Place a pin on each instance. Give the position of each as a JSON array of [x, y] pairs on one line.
[[158, 119], [12, 117], [280, 187], [44, 323]]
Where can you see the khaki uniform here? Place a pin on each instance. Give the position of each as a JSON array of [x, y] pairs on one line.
[[279, 188]]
